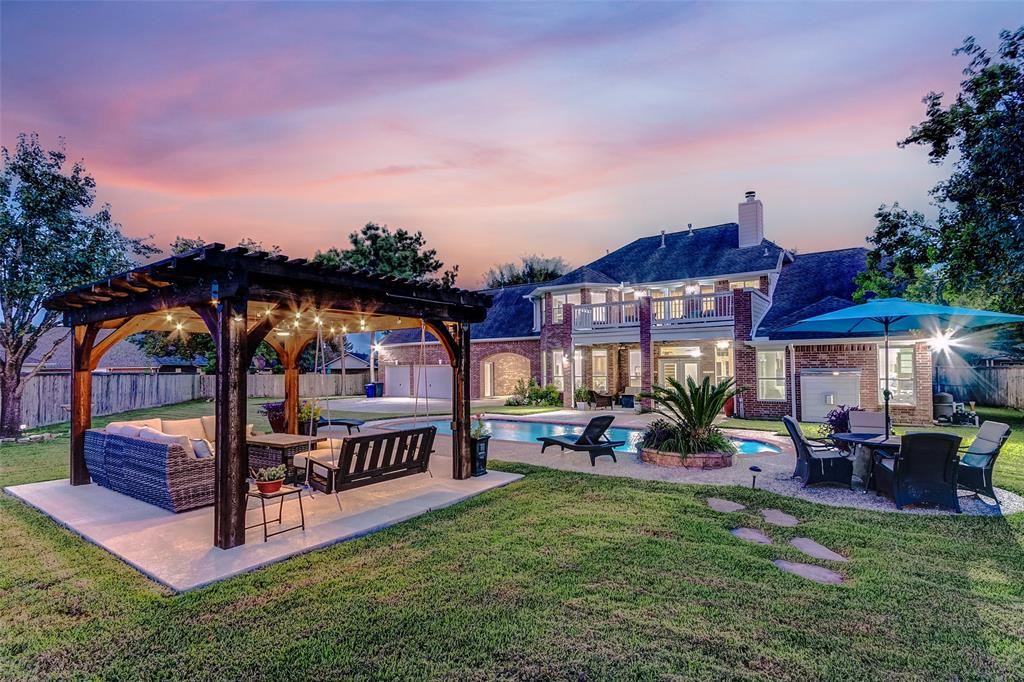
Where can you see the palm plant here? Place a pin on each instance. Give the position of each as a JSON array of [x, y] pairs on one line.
[[691, 412]]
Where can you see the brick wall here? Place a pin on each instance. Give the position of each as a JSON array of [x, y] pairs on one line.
[[479, 351]]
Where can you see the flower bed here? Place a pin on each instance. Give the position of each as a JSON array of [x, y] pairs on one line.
[[696, 460]]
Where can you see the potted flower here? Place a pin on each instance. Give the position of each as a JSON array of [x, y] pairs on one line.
[[687, 435], [581, 396], [275, 415], [269, 479], [309, 415], [479, 436]]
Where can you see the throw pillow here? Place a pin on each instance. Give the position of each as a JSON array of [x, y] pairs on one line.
[[202, 447]]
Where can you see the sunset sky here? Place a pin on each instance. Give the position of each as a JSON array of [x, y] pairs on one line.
[[497, 130]]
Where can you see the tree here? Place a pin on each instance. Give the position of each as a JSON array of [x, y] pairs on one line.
[[49, 241], [184, 244], [400, 253], [972, 253], [533, 269]]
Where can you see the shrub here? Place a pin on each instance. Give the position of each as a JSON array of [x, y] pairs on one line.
[[581, 394], [689, 413]]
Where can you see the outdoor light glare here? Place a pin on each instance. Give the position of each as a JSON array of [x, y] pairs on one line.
[[722, 345], [169, 318], [942, 342], [178, 326]]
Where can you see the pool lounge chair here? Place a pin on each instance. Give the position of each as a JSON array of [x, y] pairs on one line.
[[975, 471], [593, 440]]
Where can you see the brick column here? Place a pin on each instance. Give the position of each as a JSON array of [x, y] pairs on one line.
[[763, 284], [646, 351], [743, 356], [568, 352]]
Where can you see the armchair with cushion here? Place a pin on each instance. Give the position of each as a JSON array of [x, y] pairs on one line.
[[599, 400], [923, 471], [817, 462], [977, 462]]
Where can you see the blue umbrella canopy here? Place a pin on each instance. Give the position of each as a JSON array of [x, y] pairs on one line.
[[888, 315]]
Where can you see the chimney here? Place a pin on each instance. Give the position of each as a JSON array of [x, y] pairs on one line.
[[662, 239], [751, 221]]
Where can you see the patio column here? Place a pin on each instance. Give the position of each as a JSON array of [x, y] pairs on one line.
[[231, 339], [83, 337], [461, 450], [646, 352]]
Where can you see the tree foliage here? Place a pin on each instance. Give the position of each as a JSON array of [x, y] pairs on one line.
[[531, 269], [972, 253], [49, 241], [400, 254]]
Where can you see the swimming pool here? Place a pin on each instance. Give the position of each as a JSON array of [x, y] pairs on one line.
[[529, 432]]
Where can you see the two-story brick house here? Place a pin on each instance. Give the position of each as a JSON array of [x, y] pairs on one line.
[[711, 301]]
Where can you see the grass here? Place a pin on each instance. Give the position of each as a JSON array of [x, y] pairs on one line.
[[559, 576], [1009, 469]]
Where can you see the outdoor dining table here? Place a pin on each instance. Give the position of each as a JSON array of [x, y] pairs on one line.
[[873, 442]]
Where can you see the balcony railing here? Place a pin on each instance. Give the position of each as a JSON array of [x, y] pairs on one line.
[[677, 310]]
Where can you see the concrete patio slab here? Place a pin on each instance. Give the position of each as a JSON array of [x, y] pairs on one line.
[[176, 550]]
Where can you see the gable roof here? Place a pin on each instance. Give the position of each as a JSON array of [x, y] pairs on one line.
[[510, 316], [813, 284], [700, 253], [123, 355]]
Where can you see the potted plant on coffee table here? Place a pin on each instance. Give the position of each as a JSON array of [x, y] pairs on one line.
[[269, 479], [479, 437], [686, 435]]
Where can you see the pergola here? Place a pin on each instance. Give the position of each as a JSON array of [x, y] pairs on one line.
[[240, 299]]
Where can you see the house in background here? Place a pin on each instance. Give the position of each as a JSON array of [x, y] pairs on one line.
[[124, 357], [708, 302]]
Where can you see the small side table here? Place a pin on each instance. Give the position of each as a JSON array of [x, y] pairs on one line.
[[283, 492], [272, 449]]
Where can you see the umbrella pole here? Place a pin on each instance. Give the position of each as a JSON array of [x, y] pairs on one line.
[[885, 391]]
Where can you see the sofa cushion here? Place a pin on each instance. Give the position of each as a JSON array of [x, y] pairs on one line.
[[154, 423], [122, 429], [202, 447], [154, 436], [191, 428], [210, 428]]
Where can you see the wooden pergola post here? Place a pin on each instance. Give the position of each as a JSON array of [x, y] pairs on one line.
[[83, 337], [231, 339], [462, 452]]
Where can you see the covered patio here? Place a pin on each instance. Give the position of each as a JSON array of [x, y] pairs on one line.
[[242, 299]]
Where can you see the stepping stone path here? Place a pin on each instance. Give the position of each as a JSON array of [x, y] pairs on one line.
[[815, 573], [720, 505], [779, 518], [813, 549], [751, 535]]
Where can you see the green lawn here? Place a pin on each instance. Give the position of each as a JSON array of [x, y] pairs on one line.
[[559, 576], [1009, 470]]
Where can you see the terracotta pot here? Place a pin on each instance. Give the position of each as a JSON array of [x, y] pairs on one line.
[[269, 486]]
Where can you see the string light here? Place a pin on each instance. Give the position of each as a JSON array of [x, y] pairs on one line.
[[169, 318], [178, 326]]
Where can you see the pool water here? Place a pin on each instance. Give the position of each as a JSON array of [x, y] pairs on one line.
[[529, 432]]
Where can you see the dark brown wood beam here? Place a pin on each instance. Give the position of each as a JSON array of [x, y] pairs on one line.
[[125, 285], [157, 300], [144, 278], [83, 337], [130, 326], [232, 457], [108, 291]]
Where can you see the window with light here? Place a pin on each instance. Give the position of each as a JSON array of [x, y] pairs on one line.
[[771, 375]]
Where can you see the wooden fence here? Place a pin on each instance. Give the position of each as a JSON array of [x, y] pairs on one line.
[[47, 395], [999, 386]]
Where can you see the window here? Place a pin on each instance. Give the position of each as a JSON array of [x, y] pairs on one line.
[[746, 284], [599, 370], [680, 351], [723, 361], [635, 378], [559, 300], [771, 375], [537, 314], [557, 370], [901, 375]]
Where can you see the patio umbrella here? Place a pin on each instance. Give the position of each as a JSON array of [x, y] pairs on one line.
[[888, 315]]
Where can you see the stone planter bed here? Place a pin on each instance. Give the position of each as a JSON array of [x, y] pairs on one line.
[[696, 460]]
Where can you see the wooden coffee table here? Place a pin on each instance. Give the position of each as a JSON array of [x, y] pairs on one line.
[[273, 449]]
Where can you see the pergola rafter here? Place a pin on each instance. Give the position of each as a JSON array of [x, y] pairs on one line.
[[242, 299]]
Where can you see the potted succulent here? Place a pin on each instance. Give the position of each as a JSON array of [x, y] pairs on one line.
[[269, 479], [309, 415], [687, 435], [581, 396], [479, 437]]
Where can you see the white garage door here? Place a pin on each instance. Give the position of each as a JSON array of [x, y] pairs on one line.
[[396, 381], [433, 381], [822, 390]]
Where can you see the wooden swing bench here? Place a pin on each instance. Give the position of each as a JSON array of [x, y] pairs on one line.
[[372, 458]]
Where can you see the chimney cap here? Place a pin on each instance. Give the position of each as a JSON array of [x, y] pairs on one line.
[[750, 195]]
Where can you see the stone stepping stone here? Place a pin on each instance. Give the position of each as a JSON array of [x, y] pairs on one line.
[[779, 518], [751, 535], [815, 573], [720, 505], [813, 549]]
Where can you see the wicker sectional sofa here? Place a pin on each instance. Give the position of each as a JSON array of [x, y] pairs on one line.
[[168, 475]]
